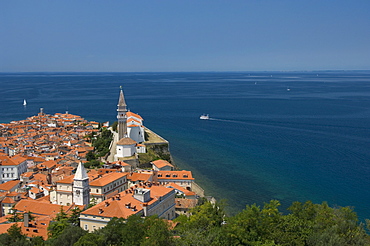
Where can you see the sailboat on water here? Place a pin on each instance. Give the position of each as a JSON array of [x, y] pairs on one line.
[[24, 102]]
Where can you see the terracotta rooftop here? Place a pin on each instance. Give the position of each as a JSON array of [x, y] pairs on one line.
[[131, 114], [114, 207], [175, 175], [161, 163], [144, 177], [126, 141], [107, 178], [40, 208], [7, 186]]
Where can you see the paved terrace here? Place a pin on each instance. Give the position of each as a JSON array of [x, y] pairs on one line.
[[153, 138]]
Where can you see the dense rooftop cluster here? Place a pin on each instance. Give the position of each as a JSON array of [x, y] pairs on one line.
[[59, 136], [42, 174]]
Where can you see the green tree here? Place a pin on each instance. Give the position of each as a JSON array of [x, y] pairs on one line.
[[91, 239], [90, 156], [37, 241], [133, 232], [157, 232], [114, 126], [15, 233], [203, 227], [92, 164], [74, 218], [102, 142], [206, 216], [16, 217], [57, 227], [14, 236], [68, 237], [254, 226], [112, 232]]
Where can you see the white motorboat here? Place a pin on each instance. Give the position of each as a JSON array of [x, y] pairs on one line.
[[204, 117]]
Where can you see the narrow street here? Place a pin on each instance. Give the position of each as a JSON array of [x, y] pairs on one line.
[[113, 145]]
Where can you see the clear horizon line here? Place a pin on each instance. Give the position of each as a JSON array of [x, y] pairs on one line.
[[205, 71]]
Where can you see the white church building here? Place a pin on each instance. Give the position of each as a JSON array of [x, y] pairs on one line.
[[130, 131]]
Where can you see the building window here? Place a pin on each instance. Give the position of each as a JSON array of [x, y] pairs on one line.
[[86, 227]]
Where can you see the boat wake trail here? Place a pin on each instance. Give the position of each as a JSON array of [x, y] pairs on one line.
[[294, 127]]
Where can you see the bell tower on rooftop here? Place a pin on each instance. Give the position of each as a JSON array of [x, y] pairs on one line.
[[121, 116], [81, 187]]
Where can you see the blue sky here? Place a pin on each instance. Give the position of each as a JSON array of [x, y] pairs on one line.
[[140, 36]]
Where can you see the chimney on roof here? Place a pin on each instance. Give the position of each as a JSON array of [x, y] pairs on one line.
[[145, 209], [26, 219], [48, 178], [143, 195]]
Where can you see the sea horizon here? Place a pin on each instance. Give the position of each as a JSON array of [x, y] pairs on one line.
[[189, 71]]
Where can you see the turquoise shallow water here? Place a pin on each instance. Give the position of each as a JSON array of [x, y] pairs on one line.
[[287, 136]]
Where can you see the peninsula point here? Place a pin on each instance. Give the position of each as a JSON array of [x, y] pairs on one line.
[[62, 162]]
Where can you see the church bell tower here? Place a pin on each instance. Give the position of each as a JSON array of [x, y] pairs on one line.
[[121, 116], [81, 187]]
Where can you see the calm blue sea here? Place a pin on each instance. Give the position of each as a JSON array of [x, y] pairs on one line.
[[291, 136]]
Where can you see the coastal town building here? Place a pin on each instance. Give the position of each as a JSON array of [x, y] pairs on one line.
[[12, 167], [162, 165], [108, 185], [182, 178], [126, 147], [81, 189], [142, 200]]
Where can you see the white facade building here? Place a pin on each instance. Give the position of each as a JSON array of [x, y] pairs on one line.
[[135, 128], [126, 147], [12, 168]]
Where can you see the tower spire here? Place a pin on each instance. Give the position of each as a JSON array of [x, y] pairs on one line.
[[121, 101]]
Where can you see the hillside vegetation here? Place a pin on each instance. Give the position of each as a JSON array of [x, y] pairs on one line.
[[305, 224]]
